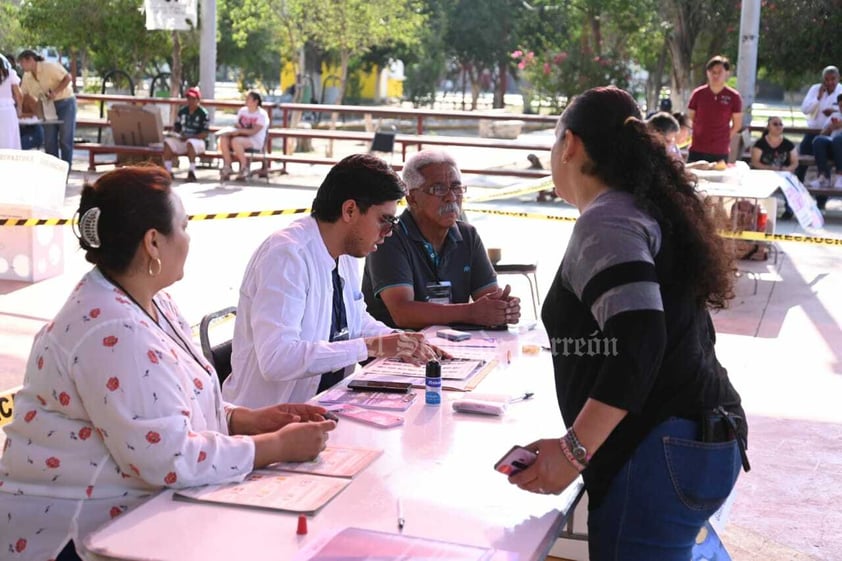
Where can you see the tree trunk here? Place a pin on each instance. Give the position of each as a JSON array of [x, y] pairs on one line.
[[502, 85], [687, 20], [344, 58], [175, 71], [74, 71], [656, 80]]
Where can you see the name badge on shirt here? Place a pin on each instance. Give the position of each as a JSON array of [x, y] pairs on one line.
[[439, 292]]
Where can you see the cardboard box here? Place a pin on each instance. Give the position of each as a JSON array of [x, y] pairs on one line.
[[135, 125]]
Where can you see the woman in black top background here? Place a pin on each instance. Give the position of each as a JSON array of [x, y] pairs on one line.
[[652, 413]]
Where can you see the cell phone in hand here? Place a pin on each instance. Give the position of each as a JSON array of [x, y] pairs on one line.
[[516, 459]]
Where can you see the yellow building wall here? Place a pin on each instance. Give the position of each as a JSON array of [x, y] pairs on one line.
[[368, 81]]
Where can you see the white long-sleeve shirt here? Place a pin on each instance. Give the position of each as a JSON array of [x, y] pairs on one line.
[[814, 107], [282, 330], [113, 408]]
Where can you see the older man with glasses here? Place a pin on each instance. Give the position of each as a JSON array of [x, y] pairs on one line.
[[434, 269]]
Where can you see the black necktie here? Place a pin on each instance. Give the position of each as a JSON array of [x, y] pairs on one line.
[[338, 330]]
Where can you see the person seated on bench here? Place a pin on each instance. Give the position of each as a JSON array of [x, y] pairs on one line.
[[249, 134], [191, 126], [828, 144], [434, 269], [773, 151]]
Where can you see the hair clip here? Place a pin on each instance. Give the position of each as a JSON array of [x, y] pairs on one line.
[[629, 119], [88, 227]]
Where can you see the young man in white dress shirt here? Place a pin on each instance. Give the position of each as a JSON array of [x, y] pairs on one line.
[[301, 320]]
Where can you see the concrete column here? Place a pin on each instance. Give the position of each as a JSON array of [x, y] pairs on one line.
[[207, 51], [747, 58]]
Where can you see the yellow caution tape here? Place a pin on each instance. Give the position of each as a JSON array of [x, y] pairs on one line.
[[538, 186], [7, 405]]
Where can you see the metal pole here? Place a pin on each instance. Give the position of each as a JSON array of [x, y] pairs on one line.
[[747, 58], [207, 51]]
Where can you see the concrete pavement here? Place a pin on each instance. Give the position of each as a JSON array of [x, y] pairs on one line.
[[781, 344]]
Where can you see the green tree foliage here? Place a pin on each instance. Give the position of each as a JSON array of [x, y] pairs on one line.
[[12, 34], [354, 27], [112, 32], [798, 38], [253, 37], [426, 64], [595, 47]]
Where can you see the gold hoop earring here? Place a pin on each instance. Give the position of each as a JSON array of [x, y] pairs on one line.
[[149, 267]]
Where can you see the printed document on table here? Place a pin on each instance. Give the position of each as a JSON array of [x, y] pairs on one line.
[[451, 368], [270, 490], [335, 461], [370, 400]]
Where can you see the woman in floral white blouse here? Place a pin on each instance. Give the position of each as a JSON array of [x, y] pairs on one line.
[[117, 403]]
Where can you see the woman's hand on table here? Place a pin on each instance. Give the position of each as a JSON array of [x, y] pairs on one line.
[[274, 417], [295, 442], [550, 474], [407, 346]]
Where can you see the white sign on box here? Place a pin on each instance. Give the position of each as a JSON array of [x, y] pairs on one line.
[[34, 188]]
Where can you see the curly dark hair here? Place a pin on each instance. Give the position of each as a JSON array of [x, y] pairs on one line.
[[626, 156]]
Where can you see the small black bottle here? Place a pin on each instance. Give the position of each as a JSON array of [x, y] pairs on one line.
[[432, 383]]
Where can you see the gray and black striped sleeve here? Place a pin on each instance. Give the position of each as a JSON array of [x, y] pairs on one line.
[[612, 271]]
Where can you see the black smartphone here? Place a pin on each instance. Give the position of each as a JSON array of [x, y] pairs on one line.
[[379, 386], [516, 459]]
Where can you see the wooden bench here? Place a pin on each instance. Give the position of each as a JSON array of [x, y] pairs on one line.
[[408, 139], [94, 149], [316, 160]]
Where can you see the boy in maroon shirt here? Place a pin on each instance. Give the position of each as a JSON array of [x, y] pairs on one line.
[[716, 113]]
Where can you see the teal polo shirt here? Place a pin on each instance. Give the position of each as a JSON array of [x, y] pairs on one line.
[[407, 259]]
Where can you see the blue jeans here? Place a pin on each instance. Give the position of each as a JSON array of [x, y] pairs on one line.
[[663, 495], [60, 137], [804, 149], [824, 146]]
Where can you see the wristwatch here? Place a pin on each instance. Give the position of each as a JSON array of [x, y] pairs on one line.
[[577, 448]]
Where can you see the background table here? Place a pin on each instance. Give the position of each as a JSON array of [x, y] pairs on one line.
[[439, 463]]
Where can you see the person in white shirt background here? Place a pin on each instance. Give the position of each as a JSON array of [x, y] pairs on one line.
[[249, 134], [117, 402], [828, 144], [302, 323], [10, 106], [818, 105]]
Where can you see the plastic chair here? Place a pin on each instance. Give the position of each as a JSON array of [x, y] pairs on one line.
[[219, 354], [528, 270], [383, 142], [254, 153]]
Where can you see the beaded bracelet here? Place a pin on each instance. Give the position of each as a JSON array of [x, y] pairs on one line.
[[565, 448]]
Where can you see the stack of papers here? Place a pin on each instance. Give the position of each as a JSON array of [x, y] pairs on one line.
[[369, 400], [289, 486]]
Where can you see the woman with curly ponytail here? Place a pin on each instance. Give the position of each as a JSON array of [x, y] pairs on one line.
[[656, 428]]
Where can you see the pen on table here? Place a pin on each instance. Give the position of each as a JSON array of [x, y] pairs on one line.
[[401, 519], [523, 397]]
